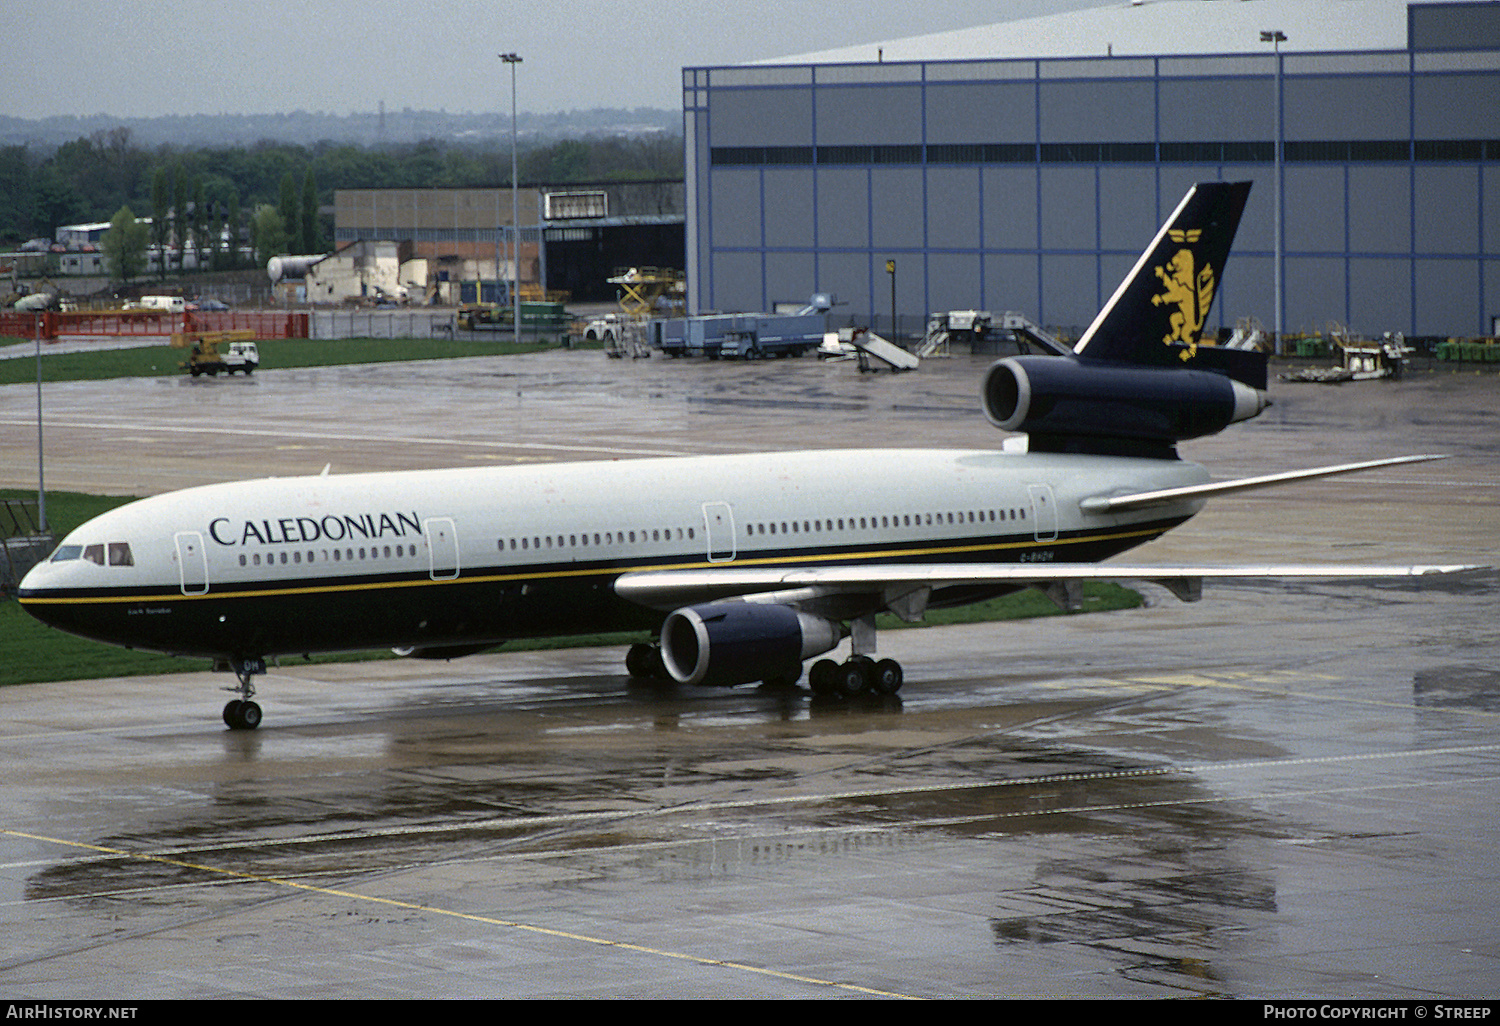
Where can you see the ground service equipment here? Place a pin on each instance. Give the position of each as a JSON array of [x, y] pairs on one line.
[[210, 352], [746, 336]]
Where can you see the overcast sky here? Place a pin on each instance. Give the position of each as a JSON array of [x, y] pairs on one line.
[[142, 58]]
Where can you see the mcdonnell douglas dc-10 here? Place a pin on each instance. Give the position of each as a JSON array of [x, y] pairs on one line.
[[748, 565]]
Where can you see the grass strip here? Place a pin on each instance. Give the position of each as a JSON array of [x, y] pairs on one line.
[[275, 354]]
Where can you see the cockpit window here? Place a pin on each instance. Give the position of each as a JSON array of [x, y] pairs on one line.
[[119, 554]]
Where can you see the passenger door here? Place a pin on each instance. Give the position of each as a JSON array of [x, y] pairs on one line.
[[718, 526], [1043, 512], [192, 563], [442, 548]]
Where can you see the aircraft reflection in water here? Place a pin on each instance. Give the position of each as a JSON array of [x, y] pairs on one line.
[[748, 564]]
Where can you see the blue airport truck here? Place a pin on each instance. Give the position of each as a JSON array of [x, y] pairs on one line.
[[743, 336]]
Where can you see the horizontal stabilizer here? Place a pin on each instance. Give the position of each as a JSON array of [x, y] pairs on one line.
[[1139, 500]]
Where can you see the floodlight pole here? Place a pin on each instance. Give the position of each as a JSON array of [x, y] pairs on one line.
[[41, 480], [1276, 37], [515, 217]]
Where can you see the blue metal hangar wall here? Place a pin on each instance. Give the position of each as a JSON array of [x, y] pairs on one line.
[[1033, 184]]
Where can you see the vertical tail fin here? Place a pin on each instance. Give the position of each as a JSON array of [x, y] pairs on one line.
[[1156, 315]]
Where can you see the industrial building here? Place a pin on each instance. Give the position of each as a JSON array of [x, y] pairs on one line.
[[1024, 165], [572, 237]]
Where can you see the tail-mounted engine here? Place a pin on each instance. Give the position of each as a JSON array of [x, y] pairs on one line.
[[728, 643], [1071, 405]]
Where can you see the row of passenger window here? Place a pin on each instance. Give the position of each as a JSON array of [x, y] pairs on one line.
[[606, 538], [597, 539], [981, 516], [347, 555]]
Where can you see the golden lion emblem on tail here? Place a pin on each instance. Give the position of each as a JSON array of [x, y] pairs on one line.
[[1188, 288]]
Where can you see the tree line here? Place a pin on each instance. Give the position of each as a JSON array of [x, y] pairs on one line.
[[237, 190], [184, 221]]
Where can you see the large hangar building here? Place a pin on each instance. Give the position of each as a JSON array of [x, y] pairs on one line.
[[1024, 165]]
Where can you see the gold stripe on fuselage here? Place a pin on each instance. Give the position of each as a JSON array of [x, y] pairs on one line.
[[490, 578]]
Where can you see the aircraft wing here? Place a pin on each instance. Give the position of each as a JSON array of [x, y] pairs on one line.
[[671, 589]]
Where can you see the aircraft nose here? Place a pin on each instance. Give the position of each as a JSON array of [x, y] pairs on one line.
[[34, 590], [31, 581]]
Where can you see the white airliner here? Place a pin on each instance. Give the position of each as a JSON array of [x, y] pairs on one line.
[[749, 565]]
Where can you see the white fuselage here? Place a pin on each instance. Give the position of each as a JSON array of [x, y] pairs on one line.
[[446, 557]]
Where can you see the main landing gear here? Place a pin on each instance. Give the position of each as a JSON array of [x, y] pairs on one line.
[[858, 675], [241, 713], [861, 674]]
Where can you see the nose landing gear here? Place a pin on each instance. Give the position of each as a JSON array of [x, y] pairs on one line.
[[241, 713]]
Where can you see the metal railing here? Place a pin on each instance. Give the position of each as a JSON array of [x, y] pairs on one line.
[[23, 544]]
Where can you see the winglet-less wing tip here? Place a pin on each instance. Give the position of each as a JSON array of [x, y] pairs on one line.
[[1138, 500]]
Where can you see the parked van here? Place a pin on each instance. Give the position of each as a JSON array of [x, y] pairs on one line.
[[171, 304]]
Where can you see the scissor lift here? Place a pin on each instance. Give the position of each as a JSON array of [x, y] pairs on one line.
[[643, 288]]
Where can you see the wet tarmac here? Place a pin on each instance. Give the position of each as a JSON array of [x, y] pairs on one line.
[[1281, 791]]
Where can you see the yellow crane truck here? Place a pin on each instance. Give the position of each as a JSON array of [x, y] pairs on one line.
[[210, 352]]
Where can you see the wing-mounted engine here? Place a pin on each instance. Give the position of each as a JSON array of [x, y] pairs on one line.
[[728, 643], [1071, 405]]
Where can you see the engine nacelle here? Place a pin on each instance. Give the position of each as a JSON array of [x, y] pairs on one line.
[[727, 643], [1060, 400]]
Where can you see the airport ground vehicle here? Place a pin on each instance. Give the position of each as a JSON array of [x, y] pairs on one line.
[[497, 317], [744, 336], [170, 304], [210, 352], [738, 336], [481, 317], [609, 328]]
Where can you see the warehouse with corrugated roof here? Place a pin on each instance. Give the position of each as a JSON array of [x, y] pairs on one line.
[[1024, 165]]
